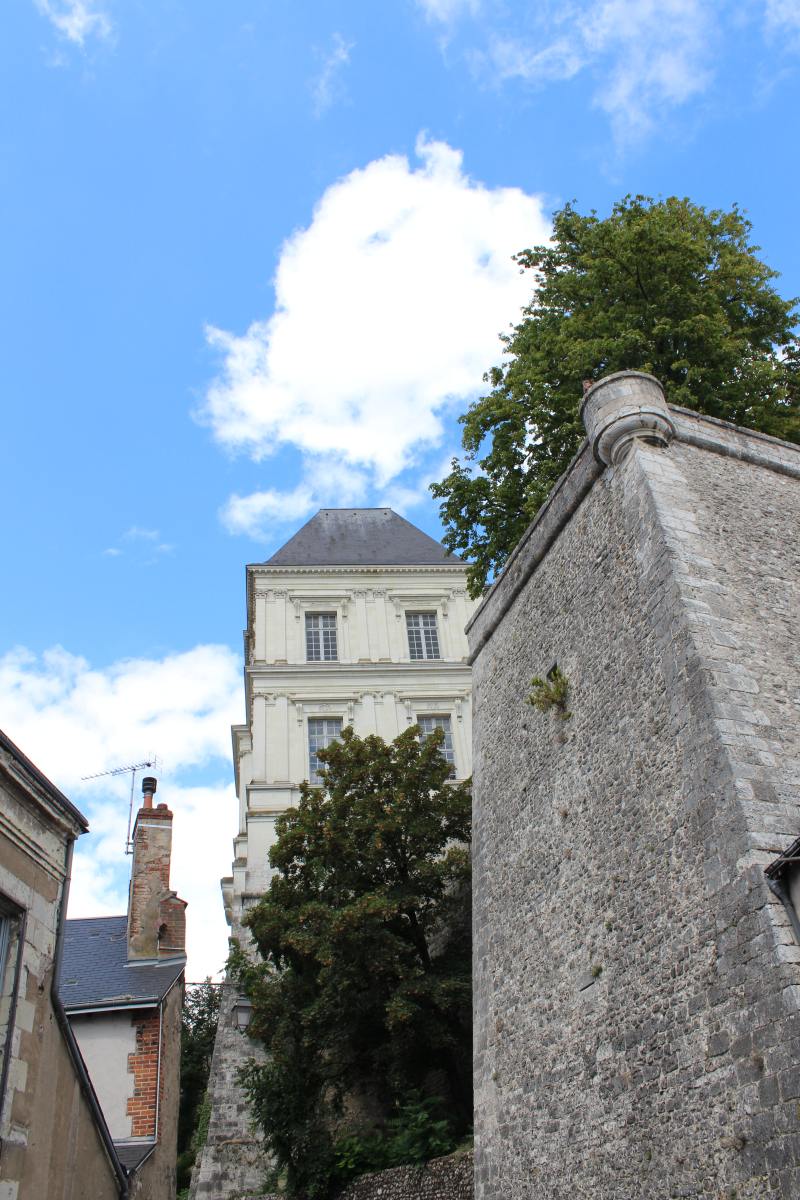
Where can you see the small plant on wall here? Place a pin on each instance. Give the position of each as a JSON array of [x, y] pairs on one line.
[[551, 693]]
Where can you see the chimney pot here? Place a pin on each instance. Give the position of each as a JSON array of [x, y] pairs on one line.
[[149, 785]]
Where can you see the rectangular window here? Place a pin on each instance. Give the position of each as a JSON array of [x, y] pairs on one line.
[[321, 732], [321, 637], [10, 923], [423, 638], [427, 726]]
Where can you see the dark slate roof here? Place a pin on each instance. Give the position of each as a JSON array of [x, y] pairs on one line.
[[361, 537], [133, 1154], [95, 972]]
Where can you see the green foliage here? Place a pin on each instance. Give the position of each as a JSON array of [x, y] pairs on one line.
[[661, 286], [550, 693], [198, 1030], [416, 1133], [363, 996]]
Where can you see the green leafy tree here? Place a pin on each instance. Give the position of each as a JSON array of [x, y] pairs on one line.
[[660, 286], [198, 1031], [363, 996]]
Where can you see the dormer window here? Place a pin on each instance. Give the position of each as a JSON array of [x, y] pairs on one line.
[[423, 636], [321, 637]]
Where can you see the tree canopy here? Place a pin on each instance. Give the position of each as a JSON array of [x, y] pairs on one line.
[[661, 286], [362, 996]]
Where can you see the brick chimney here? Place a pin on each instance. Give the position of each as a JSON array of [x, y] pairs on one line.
[[156, 916]]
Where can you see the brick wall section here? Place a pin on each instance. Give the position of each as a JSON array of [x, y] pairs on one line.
[[143, 1063], [172, 924], [637, 988]]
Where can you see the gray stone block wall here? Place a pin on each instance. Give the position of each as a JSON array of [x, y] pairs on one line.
[[232, 1163], [637, 987]]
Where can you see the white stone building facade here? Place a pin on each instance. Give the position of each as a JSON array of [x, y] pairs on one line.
[[358, 620]]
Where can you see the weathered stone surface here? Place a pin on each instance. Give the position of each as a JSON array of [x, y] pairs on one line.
[[637, 995], [232, 1163], [443, 1179], [622, 407]]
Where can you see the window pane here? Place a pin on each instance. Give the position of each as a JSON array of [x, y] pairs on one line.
[[321, 637], [427, 726], [321, 732], [423, 637]]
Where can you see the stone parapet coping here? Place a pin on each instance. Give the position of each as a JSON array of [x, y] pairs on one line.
[[692, 428]]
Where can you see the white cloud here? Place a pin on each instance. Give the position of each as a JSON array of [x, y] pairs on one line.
[[388, 307], [250, 514], [327, 86], [76, 20], [328, 483], [74, 720]]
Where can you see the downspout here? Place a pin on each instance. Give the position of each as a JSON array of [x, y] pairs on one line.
[[72, 1045], [158, 1070]]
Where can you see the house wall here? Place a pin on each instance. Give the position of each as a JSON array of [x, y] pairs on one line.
[[637, 988], [106, 1040], [49, 1143]]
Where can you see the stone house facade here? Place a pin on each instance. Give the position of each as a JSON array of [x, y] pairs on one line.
[[636, 980], [54, 1140], [358, 620]]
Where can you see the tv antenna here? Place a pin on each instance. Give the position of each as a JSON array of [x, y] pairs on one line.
[[148, 764]]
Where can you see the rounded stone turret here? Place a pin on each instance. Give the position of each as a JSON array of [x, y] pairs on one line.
[[622, 407]]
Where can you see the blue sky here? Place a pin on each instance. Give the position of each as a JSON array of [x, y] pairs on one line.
[[255, 259]]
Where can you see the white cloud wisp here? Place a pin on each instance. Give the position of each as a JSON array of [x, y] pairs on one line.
[[76, 20], [646, 56], [327, 87]]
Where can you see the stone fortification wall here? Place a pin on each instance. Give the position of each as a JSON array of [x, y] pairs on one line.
[[637, 987]]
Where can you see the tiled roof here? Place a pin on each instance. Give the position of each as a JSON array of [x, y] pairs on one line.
[[95, 972], [361, 537], [133, 1154]]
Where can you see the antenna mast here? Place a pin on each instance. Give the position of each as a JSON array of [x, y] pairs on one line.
[[133, 768]]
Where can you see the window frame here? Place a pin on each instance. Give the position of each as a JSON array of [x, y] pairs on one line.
[[443, 721], [320, 630], [12, 941], [415, 622], [313, 771]]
